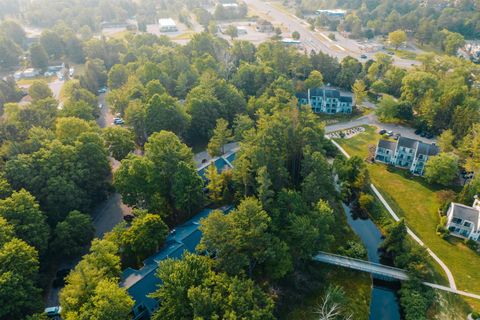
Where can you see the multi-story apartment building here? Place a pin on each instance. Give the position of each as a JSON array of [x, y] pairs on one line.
[[405, 153], [326, 100]]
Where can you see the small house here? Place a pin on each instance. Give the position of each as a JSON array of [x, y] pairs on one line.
[[167, 25], [464, 221], [326, 100]]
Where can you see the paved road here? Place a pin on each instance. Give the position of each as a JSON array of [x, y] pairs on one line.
[[371, 119], [317, 41]]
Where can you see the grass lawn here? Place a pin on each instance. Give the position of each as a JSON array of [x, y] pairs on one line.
[[405, 54], [32, 80], [417, 202], [356, 285]]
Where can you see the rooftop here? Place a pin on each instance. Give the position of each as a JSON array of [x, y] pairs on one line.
[[386, 144], [168, 22], [466, 213]]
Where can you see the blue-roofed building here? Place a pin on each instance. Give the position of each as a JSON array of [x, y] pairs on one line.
[[326, 100], [141, 283], [222, 163]]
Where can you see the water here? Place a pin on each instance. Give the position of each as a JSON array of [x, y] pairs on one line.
[[384, 303]]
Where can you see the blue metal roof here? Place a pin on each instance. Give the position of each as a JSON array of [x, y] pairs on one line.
[[140, 283]]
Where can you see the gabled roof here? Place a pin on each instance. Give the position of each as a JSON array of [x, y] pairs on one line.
[[407, 142], [387, 144], [427, 149], [346, 99], [329, 93], [464, 212]]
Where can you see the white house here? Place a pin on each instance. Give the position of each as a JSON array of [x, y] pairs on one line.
[[464, 221], [167, 25], [326, 100], [405, 153]]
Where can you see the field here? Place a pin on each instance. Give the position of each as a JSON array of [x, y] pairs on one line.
[[417, 201]]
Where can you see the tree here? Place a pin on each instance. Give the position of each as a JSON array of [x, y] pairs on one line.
[[442, 169], [23, 212], [117, 76], [145, 236], [314, 80], [241, 124], [215, 184], [7, 232], [359, 91], [79, 109], [9, 52], [13, 31], [221, 136], [191, 289], [232, 31], [38, 56], [396, 38], [94, 76], [100, 264], [108, 302], [446, 140], [241, 241], [69, 129], [119, 141], [39, 90], [72, 234], [164, 113], [470, 148], [296, 35], [416, 84], [19, 294], [452, 41], [52, 43]]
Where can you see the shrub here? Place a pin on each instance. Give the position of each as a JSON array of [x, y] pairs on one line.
[[472, 244]]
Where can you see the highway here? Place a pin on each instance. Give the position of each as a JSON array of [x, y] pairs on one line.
[[314, 40]]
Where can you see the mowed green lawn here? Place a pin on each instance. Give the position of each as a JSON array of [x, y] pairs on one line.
[[417, 201]]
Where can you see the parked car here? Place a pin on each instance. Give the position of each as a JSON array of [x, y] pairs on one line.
[[100, 106], [383, 131], [389, 133], [128, 217], [102, 90], [59, 280], [363, 56], [423, 134], [429, 135], [418, 131], [391, 53], [118, 121], [53, 312]]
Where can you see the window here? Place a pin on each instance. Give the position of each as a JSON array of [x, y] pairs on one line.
[[457, 220], [467, 224]]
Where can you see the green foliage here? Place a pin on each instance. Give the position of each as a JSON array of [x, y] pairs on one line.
[[52, 43], [221, 136], [164, 180], [144, 237], [117, 76], [19, 294], [23, 212], [39, 90], [164, 113], [72, 234], [396, 38], [314, 80], [38, 56], [119, 141], [242, 242], [191, 289], [442, 169], [415, 300], [79, 109], [354, 249], [101, 264]]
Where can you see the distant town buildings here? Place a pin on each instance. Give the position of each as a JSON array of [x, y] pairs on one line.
[[464, 221], [332, 13], [405, 153], [264, 26], [167, 25], [26, 74], [326, 100]]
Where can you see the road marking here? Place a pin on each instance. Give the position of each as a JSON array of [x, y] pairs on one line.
[[325, 37], [340, 47]]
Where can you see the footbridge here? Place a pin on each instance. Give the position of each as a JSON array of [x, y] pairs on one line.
[[380, 270]]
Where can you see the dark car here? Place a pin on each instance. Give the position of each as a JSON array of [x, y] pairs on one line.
[[128, 217], [423, 134], [429, 135], [363, 56], [418, 131], [60, 278], [383, 131], [391, 53]]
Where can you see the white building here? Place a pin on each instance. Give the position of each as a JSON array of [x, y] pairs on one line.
[[332, 13], [27, 73], [464, 221], [167, 25]]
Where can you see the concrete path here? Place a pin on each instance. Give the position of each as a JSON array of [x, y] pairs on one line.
[[395, 217]]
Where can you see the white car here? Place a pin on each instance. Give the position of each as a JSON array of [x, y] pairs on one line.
[[53, 312]]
